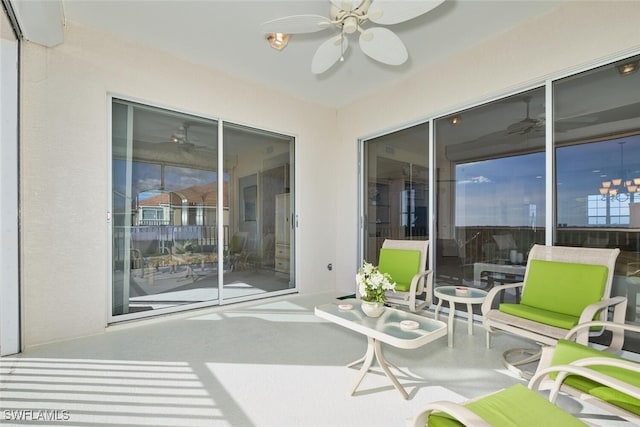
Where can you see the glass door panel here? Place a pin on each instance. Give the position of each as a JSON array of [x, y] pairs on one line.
[[396, 188], [597, 148], [258, 193], [490, 190], [164, 204]]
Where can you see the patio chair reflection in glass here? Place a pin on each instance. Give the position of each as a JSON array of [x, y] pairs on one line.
[[237, 246]]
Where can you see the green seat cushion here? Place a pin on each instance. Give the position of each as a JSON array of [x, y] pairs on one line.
[[569, 351], [401, 264], [513, 406], [546, 317], [563, 287], [556, 293]]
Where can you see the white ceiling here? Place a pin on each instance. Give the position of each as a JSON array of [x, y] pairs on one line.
[[225, 35]]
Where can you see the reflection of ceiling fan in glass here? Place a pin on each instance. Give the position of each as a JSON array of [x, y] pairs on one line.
[[527, 124], [349, 16], [536, 125], [181, 137]]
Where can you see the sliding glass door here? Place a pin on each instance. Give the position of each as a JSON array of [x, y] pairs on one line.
[[597, 148], [503, 183], [186, 219], [490, 190], [258, 176], [396, 188]]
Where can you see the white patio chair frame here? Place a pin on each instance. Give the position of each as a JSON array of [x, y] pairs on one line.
[[542, 381]]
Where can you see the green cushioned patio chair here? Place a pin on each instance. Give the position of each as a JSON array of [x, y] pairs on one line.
[[406, 263], [513, 406], [605, 377], [562, 287]]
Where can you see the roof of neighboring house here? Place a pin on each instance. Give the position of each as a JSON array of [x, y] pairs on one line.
[[195, 195]]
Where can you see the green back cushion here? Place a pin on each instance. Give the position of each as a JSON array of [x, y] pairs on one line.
[[563, 287], [235, 245], [514, 406], [569, 351], [556, 293], [401, 265]]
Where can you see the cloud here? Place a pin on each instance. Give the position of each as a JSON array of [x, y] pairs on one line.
[[476, 180]]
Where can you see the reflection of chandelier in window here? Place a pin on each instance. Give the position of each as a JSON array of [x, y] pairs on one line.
[[620, 188]]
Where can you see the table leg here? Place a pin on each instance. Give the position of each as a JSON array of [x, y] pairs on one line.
[[469, 319], [437, 313], [366, 364], [374, 349], [357, 362], [452, 309], [385, 367]]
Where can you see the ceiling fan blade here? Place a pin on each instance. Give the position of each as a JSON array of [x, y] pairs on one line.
[[328, 54], [388, 12], [346, 5], [297, 24], [383, 45], [523, 126]]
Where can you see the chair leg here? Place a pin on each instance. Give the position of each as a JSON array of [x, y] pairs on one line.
[[531, 355], [488, 340]]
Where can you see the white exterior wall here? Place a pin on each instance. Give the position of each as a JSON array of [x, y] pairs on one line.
[[65, 161], [576, 34]]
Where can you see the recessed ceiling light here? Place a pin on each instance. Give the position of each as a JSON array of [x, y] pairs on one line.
[[628, 68], [278, 41], [455, 120]]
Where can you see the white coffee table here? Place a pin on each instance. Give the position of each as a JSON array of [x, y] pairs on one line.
[[384, 329], [462, 295]]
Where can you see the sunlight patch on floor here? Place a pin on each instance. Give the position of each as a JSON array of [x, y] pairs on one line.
[[103, 392], [329, 386]]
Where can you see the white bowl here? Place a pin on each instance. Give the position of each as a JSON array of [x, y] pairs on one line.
[[345, 306], [460, 291], [409, 324]]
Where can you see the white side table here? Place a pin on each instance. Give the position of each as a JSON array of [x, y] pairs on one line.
[[462, 295]]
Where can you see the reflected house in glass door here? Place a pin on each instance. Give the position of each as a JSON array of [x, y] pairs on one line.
[[184, 209]]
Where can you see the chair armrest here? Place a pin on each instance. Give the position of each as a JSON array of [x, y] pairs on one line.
[[580, 368], [620, 306], [414, 282], [488, 302], [459, 412], [617, 328]]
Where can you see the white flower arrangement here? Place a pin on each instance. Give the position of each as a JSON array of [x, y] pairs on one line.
[[372, 284]]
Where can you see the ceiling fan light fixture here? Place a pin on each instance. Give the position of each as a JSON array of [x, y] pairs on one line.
[[628, 68], [350, 25], [278, 41]]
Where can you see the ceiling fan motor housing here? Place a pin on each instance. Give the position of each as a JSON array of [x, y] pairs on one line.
[[349, 20]]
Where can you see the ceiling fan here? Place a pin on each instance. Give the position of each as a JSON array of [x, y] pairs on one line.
[[527, 124], [349, 16], [181, 137], [530, 124]]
